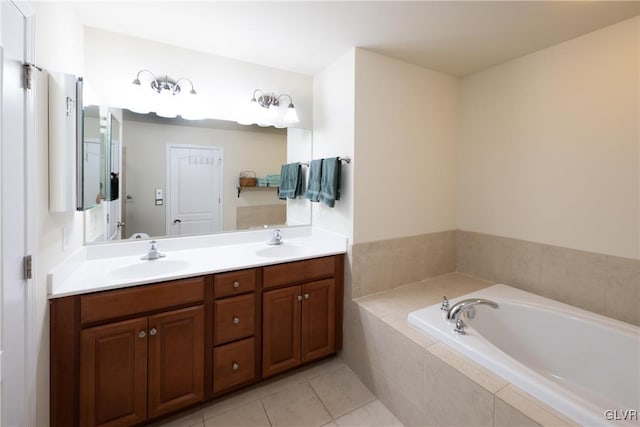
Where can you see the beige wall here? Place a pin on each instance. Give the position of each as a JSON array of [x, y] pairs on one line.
[[145, 143], [405, 129], [333, 135], [548, 145]]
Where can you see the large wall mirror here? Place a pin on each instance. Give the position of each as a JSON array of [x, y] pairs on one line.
[[155, 177]]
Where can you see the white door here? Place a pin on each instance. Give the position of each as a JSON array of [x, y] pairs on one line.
[[91, 166], [114, 214], [194, 195], [16, 216]]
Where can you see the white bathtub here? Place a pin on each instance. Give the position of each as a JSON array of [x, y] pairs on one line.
[[579, 363]]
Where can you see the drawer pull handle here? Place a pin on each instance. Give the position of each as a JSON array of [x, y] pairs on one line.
[[306, 296], [235, 366], [236, 285], [299, 297], [153, 331], [141, 334], [236, 320]]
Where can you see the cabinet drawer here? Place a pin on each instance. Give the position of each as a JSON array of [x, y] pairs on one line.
[[140, 299], [234, 283], [234, 318], [233, 364], [299, 271]]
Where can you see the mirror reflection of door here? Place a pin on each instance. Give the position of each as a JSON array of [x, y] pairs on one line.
[[91, 165], [114, 219], [193, 196]]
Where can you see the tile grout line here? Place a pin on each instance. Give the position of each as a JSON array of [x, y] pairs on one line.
[[321, 401], [266, 413], [375, 398]]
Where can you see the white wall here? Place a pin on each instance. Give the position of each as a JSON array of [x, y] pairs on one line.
[[549, 145], [405, 135], [113, 60], [299, 149], [58, 48], [145, 143], [333, 135]]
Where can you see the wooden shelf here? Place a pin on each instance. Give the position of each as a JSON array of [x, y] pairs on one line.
[[241, 189]]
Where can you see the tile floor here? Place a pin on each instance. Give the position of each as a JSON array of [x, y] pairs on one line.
[[325, 394]]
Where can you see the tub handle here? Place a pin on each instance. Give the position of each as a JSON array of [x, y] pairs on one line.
[[460, 327]]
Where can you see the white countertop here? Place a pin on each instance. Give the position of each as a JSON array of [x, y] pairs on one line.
[[116, 265]]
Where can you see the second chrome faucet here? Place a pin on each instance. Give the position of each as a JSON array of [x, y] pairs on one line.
[[276, 239], [153, 253]]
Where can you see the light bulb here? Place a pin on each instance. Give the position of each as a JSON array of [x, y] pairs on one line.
[[190, 108], [166, 104], [291, 116], [272, 112]]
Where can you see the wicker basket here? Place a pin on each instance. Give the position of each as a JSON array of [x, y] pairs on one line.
[[248, 179]]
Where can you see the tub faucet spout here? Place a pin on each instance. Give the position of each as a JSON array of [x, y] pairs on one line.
[[466, 306]]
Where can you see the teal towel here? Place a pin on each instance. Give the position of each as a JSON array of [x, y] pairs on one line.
[[313, 185], [291, 181], [330, 181]]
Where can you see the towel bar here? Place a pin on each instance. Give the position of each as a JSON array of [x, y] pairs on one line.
[[342, 159]]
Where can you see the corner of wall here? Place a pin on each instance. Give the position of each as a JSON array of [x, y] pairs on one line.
[[333, 117]]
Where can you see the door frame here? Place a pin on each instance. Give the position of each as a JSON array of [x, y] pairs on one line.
[[30, 153], [167, 185]]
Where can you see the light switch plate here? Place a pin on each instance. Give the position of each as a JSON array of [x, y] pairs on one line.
[[159, 194]]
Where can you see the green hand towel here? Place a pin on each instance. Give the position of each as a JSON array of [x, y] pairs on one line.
[[330, 181], [313, 186], [291, 181]]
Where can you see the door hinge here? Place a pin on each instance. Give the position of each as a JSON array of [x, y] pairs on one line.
[[27, 267], [28, 74]]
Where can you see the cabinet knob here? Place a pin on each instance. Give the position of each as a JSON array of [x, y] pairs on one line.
[[236, 320], [153, 331], [141, 334], [306, 296], [235, 366], [299, 297], [236, 285]]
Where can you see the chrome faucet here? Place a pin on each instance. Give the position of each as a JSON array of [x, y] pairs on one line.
[[276, 239], [153, 253], [466, 306]]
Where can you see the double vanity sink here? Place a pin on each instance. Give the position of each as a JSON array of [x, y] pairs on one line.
[[142, 269], [135, 340], [111, 266]]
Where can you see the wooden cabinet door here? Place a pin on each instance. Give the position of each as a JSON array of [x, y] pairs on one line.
[[176, 360], [113, 374], [318, 319], [281, 330]]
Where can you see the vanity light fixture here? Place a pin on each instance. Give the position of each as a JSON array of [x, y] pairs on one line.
[[264, 110], [166, 97]]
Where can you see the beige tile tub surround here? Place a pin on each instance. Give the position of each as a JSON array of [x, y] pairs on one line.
[[386, 264], [603, 284], [422, 381]]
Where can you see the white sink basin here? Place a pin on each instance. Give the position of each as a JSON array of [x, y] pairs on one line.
[[145, 269], [283, 250]]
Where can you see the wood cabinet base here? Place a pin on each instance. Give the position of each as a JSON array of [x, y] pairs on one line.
[[134, 355]]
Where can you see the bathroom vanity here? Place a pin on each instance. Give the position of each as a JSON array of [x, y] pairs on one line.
[[133, 354]]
